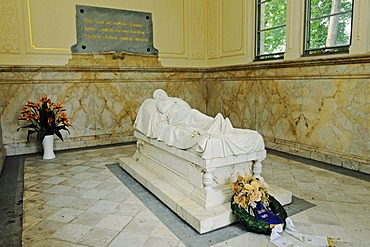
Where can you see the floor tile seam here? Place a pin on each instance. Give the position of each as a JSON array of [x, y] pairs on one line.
[[63, 240], [122, 230]]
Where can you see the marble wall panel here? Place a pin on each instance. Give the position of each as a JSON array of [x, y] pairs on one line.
[[318, 110], [195, 92], [234, 99], [214, 97], [101, 106], [238, 103], [17, 97], [314, 109], [115, 104], [250, 105], [332, 112], [278, 109]]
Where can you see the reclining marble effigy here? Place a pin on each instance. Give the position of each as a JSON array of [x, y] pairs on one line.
[[174, 122], [189, 159]]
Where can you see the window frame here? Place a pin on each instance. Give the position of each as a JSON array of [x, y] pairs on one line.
[[323, 50], [258, 31]]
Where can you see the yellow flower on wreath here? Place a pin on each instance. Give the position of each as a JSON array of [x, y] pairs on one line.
[[249, 190]]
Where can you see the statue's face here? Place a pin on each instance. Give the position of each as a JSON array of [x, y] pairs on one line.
[[160, 94]]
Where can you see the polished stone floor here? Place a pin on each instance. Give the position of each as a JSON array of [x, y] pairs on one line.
[[83, 198]]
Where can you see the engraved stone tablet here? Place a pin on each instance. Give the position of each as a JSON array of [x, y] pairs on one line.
[[107, 30]]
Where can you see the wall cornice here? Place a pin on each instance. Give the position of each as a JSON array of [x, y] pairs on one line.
[[322, 69], [304, 62]]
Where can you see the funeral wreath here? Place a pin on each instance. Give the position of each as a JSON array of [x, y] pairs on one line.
[[254, 207]]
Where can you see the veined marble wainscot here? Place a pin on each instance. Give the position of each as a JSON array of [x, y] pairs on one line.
[[195, 185]]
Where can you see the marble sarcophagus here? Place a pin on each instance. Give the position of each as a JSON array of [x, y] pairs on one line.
[[189, 160]]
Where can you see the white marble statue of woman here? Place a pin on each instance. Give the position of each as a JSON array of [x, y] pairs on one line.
[[177, 112], [166, 104], [173, 121]]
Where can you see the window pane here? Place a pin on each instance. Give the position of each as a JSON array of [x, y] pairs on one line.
[[324, 7], [271, 28], [319, 33], [329, 26], [270, 44], [273, 13]]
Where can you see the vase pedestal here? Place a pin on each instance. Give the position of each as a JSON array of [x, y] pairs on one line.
[[48, 145]]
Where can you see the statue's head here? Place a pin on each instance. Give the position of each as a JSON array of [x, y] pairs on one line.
[[160, 94]]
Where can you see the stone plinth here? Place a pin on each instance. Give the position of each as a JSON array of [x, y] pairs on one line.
[[201, 219], [198, 190]]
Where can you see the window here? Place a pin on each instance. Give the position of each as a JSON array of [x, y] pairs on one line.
[[270, 29], [328, 26]]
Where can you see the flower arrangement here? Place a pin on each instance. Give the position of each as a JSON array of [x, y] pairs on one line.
[[45, 117], [248, 191], [254, 207]]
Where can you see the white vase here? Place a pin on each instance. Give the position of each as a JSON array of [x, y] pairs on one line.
[[48, 145]]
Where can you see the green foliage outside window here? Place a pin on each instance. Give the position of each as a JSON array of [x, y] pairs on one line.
[[272, 27], [328, 26], [320, 34]]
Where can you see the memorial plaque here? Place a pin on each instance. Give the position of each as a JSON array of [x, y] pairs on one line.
[[107, 30]]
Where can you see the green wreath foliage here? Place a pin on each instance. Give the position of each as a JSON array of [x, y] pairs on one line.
[[251, 223]]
